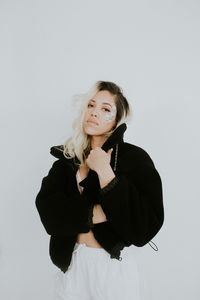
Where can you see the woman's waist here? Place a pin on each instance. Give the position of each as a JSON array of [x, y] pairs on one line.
[[88, 239]]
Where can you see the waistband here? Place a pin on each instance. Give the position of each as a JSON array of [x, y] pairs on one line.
[[91, 250], [101, 252]]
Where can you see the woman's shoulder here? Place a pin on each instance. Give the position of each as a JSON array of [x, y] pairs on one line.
[[133, 152], [58, 167], [62, 161]]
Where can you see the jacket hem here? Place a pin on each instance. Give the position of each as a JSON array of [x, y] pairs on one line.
[[116, 251]]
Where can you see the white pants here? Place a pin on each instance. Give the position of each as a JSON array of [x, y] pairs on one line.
[[93, 275]]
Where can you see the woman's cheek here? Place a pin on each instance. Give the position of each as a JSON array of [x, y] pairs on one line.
[[111, 116]]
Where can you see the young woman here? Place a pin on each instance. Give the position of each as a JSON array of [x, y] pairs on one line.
[[100, 201]]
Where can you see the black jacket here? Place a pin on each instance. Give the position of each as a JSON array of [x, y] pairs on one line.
[[132, 201]]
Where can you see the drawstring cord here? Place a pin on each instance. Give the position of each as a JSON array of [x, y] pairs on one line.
[[153, 247]]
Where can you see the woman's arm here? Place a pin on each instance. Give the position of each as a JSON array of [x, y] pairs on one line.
[[132, 201], [98, 213], [61, 210]]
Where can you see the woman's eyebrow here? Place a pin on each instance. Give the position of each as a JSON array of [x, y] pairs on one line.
[[102, 103]]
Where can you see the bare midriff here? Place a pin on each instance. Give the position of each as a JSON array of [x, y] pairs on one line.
[[87, 238]]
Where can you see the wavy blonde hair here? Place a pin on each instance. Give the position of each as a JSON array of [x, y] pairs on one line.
[[78, 145]]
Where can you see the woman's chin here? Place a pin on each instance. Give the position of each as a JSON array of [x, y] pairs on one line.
[[90, 130]]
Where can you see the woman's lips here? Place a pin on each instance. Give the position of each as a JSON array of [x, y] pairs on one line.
[[92, 123]]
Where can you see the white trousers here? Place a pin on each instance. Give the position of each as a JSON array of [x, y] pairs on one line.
[[93, 275]]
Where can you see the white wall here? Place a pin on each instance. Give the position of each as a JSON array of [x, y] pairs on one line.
[[53, 49]]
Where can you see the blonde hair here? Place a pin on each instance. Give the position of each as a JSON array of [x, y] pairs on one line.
[[78, 144]]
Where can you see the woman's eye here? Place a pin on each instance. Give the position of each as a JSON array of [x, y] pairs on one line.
[[107, 109], [91, 105]]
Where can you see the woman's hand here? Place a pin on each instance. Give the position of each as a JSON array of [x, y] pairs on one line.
[[98, 159], [98, 214]]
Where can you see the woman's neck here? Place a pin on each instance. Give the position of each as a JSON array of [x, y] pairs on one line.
[[97, 141]]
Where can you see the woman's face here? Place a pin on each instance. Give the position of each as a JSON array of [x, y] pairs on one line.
[[102, 110]]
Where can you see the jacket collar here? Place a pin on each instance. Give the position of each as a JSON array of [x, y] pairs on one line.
[[115, 138]]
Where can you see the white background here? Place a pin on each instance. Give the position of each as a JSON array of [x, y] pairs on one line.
[[51, 50]]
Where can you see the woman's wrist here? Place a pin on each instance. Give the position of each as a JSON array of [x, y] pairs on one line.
[[105, 175]]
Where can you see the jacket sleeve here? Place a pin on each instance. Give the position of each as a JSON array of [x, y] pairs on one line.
[[133, 201], [62, 210]]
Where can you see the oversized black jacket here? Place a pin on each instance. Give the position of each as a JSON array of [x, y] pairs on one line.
[[132, 201]]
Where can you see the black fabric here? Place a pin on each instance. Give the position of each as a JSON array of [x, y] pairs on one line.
[[132, 201]]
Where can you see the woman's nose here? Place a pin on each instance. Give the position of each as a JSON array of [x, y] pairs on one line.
[[94, 112]]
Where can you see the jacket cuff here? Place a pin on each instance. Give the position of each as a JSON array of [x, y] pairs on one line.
[[109, 186]]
